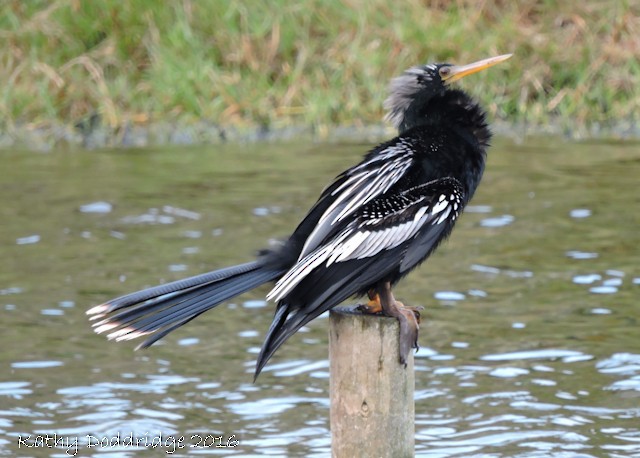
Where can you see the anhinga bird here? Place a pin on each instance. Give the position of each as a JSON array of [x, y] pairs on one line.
[[370, 227]]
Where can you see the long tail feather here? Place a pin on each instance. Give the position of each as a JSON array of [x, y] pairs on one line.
[[159, 310], [178, 285]]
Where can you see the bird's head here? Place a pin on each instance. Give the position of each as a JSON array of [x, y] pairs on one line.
[[410, 92]]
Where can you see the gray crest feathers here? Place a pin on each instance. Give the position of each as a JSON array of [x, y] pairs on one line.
[[403, 90]]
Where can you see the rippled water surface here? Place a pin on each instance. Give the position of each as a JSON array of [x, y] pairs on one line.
[[530, 342]]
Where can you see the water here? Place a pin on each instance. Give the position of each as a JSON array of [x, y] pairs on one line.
[[530, 338]]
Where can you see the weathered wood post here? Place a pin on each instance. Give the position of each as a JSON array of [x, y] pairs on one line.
[[372, 407]]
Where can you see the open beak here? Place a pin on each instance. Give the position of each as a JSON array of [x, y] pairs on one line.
[[457, 72]]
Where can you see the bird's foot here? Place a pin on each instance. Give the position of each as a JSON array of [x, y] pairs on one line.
[[408, 318], [409, 327], [373, 307], [415, 309]]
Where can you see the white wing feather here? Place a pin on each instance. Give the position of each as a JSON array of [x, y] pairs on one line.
[[363, 241], [367, 181]]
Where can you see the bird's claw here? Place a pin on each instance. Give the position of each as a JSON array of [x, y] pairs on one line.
[[369, 308], [373, 307], [415, 309], [409, 320], [383, 302]]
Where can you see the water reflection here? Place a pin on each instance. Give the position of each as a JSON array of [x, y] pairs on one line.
[[529, 342]]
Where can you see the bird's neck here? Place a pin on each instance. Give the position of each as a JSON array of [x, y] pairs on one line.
[[456, 117], [449, 109]]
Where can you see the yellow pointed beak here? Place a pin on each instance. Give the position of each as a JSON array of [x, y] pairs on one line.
[[456, 72]]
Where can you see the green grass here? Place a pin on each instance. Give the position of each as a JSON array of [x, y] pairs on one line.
[[309, 62]]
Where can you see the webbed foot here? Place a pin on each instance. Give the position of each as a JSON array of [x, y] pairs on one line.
[[408, 318]]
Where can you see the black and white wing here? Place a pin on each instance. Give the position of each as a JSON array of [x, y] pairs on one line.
[[389, 235], [356, 187], [416, 220]]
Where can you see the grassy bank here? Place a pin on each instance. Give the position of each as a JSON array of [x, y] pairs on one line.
[[313, 62]]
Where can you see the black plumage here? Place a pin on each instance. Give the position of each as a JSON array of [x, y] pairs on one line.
[[370, 227]]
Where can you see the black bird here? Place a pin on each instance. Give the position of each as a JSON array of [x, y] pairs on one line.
[[370, 227]]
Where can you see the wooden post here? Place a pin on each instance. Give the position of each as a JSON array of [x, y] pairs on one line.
[[372, 407]]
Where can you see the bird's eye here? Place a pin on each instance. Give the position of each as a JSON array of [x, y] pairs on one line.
[[444, 71]]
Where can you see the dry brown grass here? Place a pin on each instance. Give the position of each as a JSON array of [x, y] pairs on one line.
[[311, 62]]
